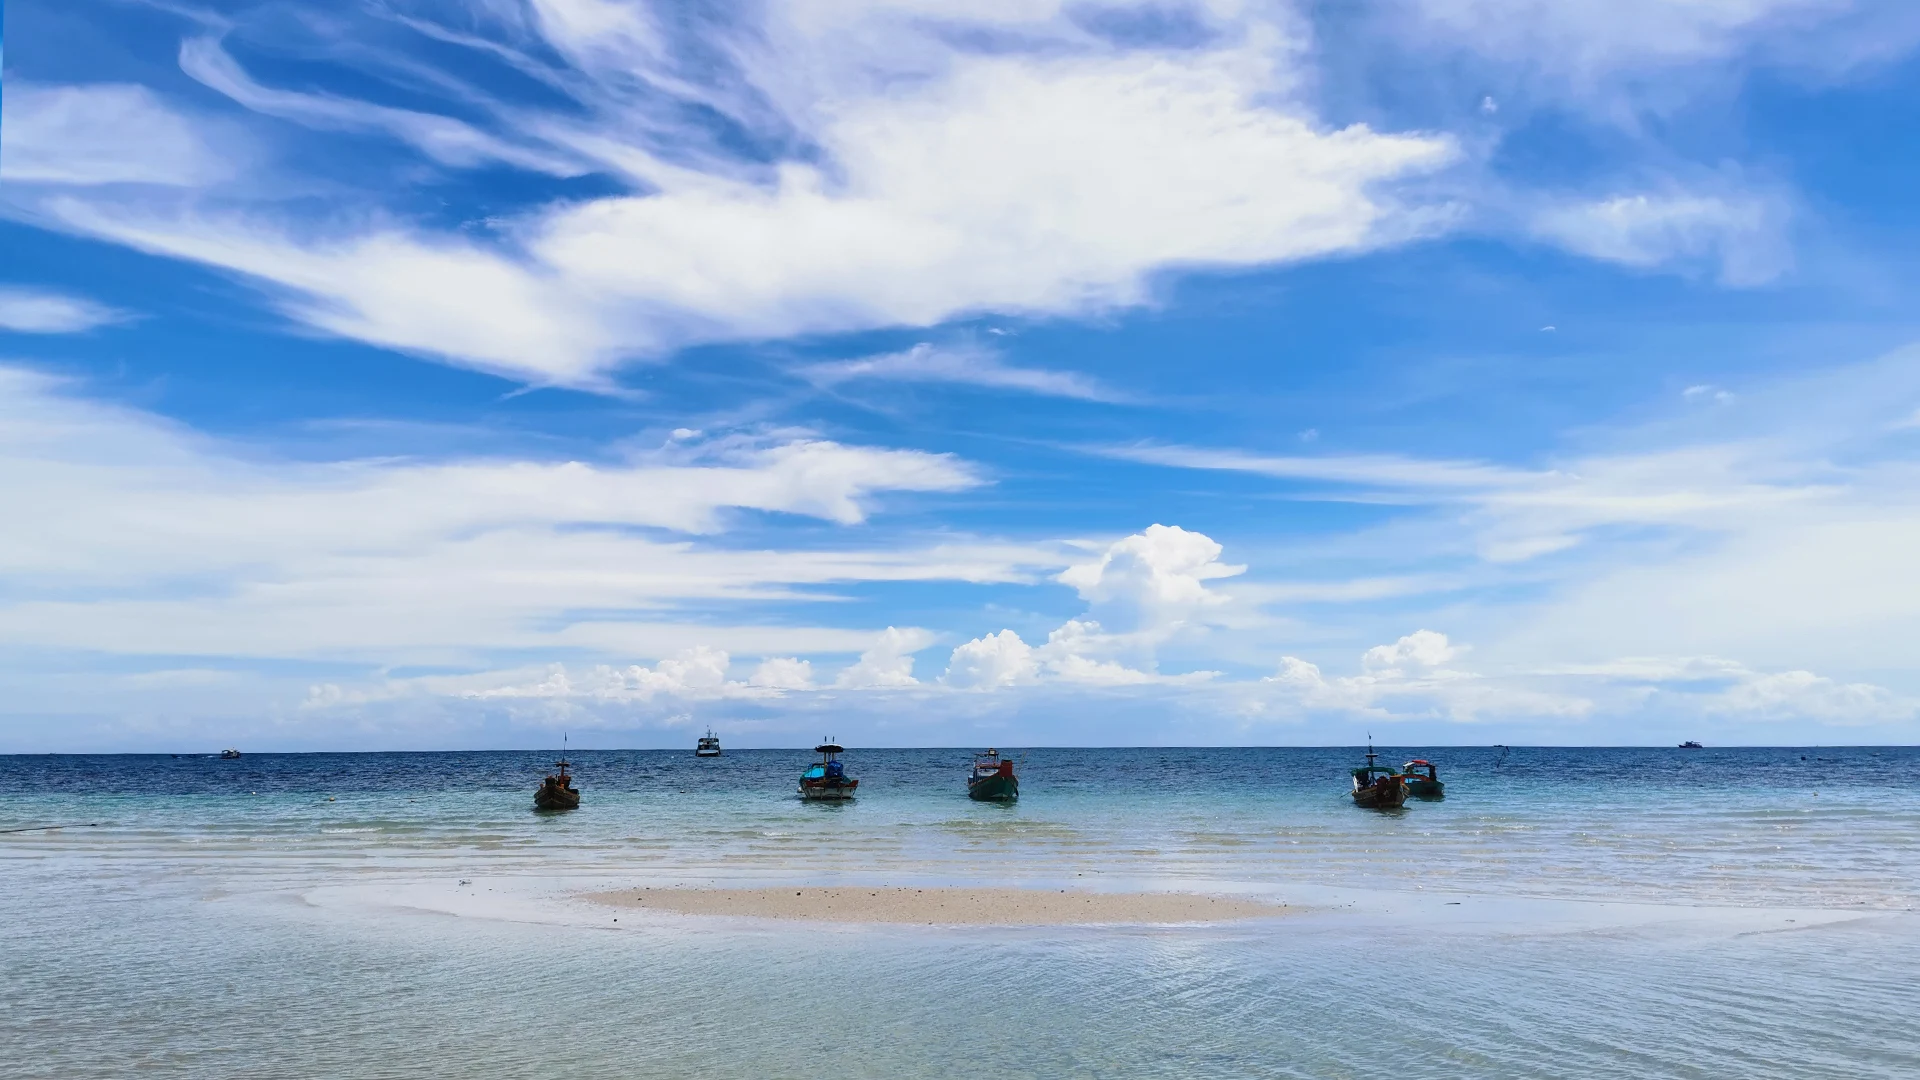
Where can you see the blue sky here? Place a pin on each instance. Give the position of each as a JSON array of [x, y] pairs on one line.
[[436, 374]]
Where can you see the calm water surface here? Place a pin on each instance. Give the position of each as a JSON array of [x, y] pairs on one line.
[[183, 934]]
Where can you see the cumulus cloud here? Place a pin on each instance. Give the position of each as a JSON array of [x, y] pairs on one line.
[[995, 660], [1154, 580], [36, 311], [888, 662], [1410, 678], [783, 673], [100, 133]]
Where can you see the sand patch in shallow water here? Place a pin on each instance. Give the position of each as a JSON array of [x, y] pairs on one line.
[[952, 906]]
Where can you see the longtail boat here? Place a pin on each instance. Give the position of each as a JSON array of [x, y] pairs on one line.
[[992, 778], [557, 792], [827, 779], [1376, 786], [1422, 779]]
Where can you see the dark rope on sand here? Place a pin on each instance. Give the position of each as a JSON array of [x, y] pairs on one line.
[[49, 828]]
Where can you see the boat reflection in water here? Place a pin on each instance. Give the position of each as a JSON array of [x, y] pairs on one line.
[[991, 778], [826, 780]]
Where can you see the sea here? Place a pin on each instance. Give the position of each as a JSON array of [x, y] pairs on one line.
[[1562, 912]]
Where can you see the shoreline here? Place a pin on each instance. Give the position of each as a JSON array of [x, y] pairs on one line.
[[952, 905]]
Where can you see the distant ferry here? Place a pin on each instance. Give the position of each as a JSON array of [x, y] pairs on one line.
[[1691, 745], [709, 745], [229, 754]]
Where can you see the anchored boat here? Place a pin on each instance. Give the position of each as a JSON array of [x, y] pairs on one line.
[[557, 791], [1422, 779], [1376, 786], [992, 778], [827, 779], [709, 745]]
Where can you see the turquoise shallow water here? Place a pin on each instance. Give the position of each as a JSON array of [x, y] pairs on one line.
[[1562, 913]]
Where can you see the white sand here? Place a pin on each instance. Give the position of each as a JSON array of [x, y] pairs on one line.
[[942, 906]]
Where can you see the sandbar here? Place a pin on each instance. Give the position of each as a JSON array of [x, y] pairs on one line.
[[948, 906]]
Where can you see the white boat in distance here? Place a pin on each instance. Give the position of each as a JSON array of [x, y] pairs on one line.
[[709, 745]]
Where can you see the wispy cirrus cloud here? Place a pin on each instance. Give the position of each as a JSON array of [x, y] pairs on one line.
[[961, 365], [1044, 181], [135, 536], [91, 134], [38, 311]]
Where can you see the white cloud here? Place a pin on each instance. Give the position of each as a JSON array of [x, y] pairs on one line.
[[35, 311], [1410, 679], [1420, 649], [100, 133], [783, 673], [888, 662], [966, 366], [1741, 236], [995, 660], [937, 181], [1591, 50], [446, 140], [1153, 580], [697, 672], [132, 535]]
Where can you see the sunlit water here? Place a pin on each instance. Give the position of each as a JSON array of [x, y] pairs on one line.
[[196, 929]]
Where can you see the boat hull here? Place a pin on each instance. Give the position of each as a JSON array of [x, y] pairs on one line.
[[1426, 789], [706, 753], [828, 792], [1380, 796], [554, 797], [993, 788]]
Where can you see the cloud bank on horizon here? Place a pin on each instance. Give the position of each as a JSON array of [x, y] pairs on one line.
[[447, 372]]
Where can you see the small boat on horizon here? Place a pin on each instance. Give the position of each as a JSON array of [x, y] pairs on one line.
[[991, 778], [709, 745], [1422, 779], [827, 780], [1376, 786], [557, 792], [1691, 745], [229, 754]]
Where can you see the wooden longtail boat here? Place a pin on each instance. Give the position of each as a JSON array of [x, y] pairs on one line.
[[827, 779], [557, 792], [992, 778], [1376, 786], [1422, 779]]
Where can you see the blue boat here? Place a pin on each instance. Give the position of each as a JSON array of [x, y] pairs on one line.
[[827, 779]]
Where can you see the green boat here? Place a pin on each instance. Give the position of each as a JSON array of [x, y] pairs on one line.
[[1423, 780], [991, 778], [1377, 787]]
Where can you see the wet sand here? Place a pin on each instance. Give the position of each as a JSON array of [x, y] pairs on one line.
[[958, 906]]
